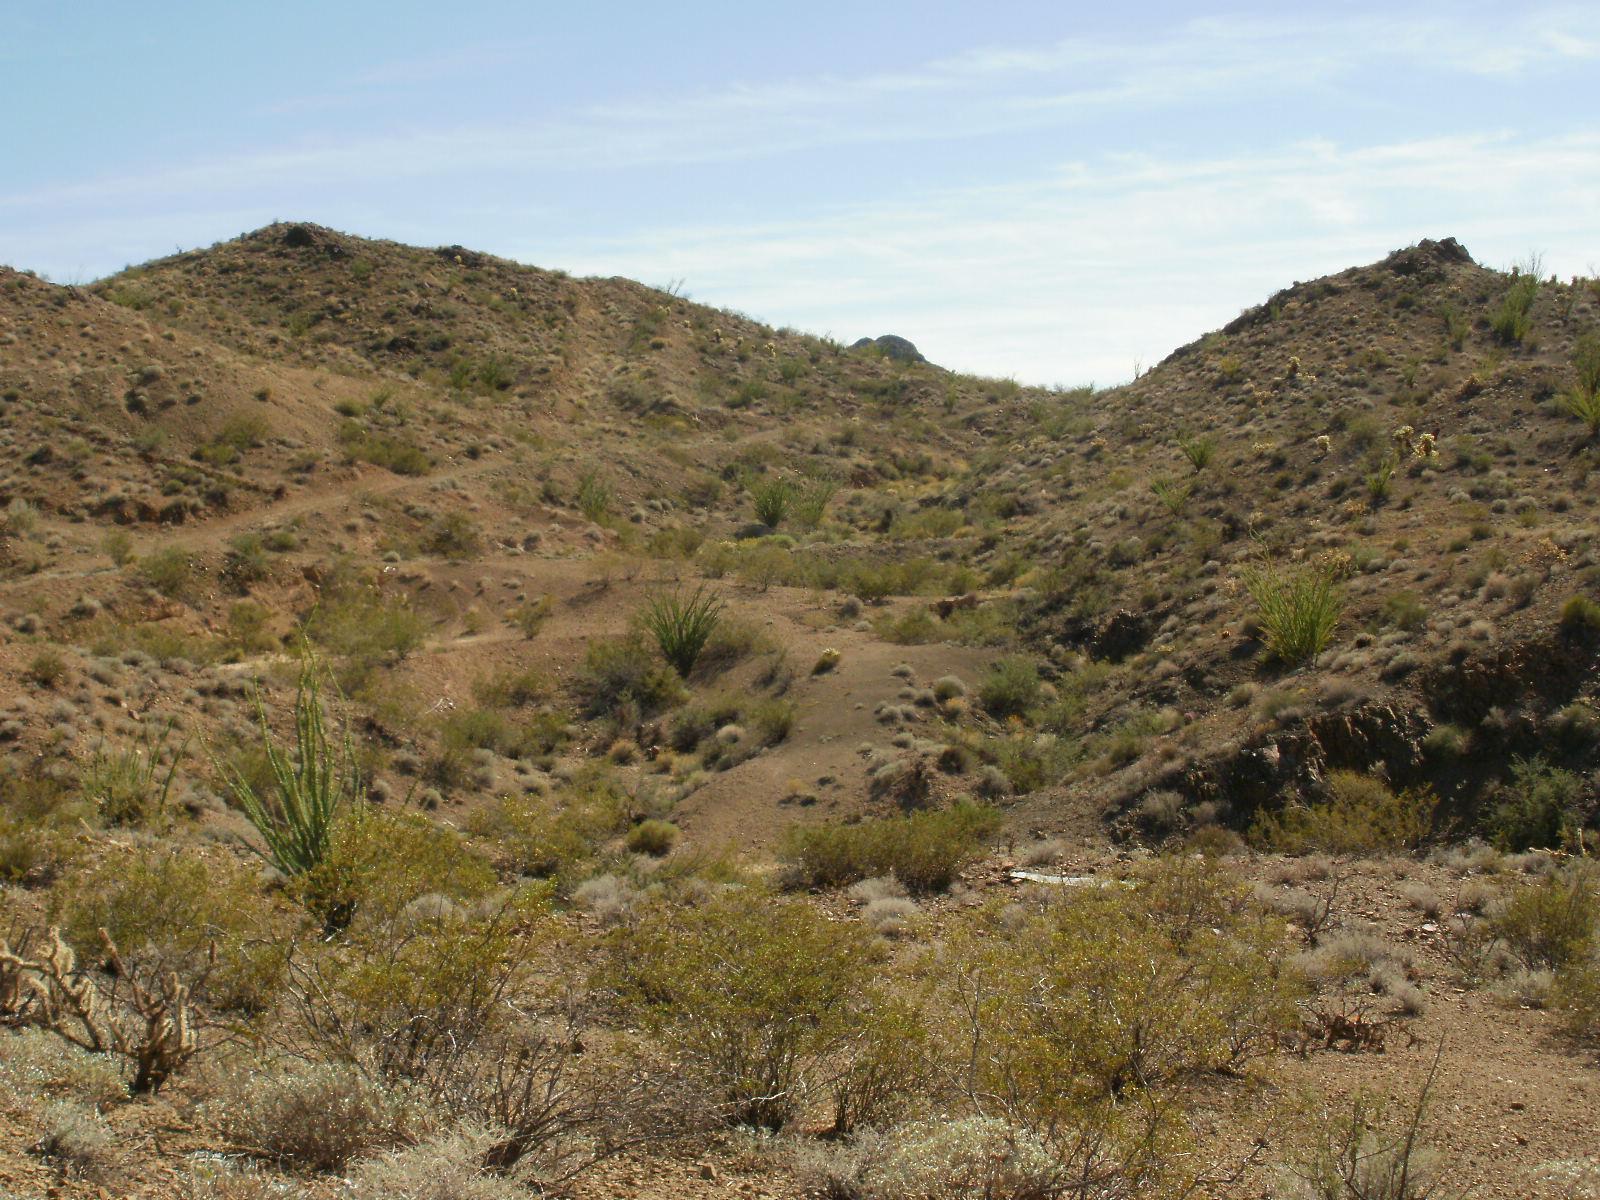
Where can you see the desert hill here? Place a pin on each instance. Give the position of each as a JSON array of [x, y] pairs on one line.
[[1325, 580]]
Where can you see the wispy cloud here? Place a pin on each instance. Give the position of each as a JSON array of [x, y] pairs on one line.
[[1099, 265], [986, 91]]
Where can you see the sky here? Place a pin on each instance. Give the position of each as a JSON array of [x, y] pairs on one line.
[[1055, 192]]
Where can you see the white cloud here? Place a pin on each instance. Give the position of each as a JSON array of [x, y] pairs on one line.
[[1079, 274], [985, 91]]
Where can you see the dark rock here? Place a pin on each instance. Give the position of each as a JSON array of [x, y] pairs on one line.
[[891, 346], [1427, 256]]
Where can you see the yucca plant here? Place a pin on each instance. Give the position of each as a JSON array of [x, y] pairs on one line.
[[683, 625], [310, 785], [1199, 451], [1298, 611], [1173, 496], [1586, 407]]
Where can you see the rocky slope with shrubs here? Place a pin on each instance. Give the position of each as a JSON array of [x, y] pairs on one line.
[[471, 731]]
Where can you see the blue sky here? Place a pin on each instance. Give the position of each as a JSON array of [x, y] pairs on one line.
[[1053, 191]]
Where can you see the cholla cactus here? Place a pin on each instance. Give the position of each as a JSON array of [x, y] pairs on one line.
[[1402, 436], [1324, 445], [153, 1029], [1425, 447], [1294, 365]]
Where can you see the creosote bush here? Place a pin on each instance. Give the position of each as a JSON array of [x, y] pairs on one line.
[[757, 995], [1361, 815], [621, 671], [923, 850]]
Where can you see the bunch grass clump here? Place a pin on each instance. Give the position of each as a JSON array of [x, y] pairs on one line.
[[1298, 611]]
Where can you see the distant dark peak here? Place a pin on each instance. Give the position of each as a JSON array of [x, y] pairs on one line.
[[891, 346], [1428, 255]]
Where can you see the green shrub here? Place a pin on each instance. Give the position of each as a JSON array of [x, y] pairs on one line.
[[1513, 320], [1360, 816], [39, 819], [1552, 923], [1298, 611], [923, 850], [170, 910], [1011, 689], [811, 504], [653, 837], [46, 668], [366, 626], [1405, 610], [594, 496], [118, 546], [454, 536], [383, 450], [1580, 613], [1073, 1023], [245, 561], [757, 997], [169, 571], [622, 671], [1541, 806], [682, 626], [377, 862]]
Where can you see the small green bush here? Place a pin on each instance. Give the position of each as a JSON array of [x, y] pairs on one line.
[[1011, 689], [169, 571], [1580, 613], [1542, 806], [653, 837], [454, 536], [129, 786], [170, 911], [543, 839], [1552, 923], [1361, 815], [756, 997], [923, 850], [621, 671], [46, 668], [594, 496], [1513, 320]]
